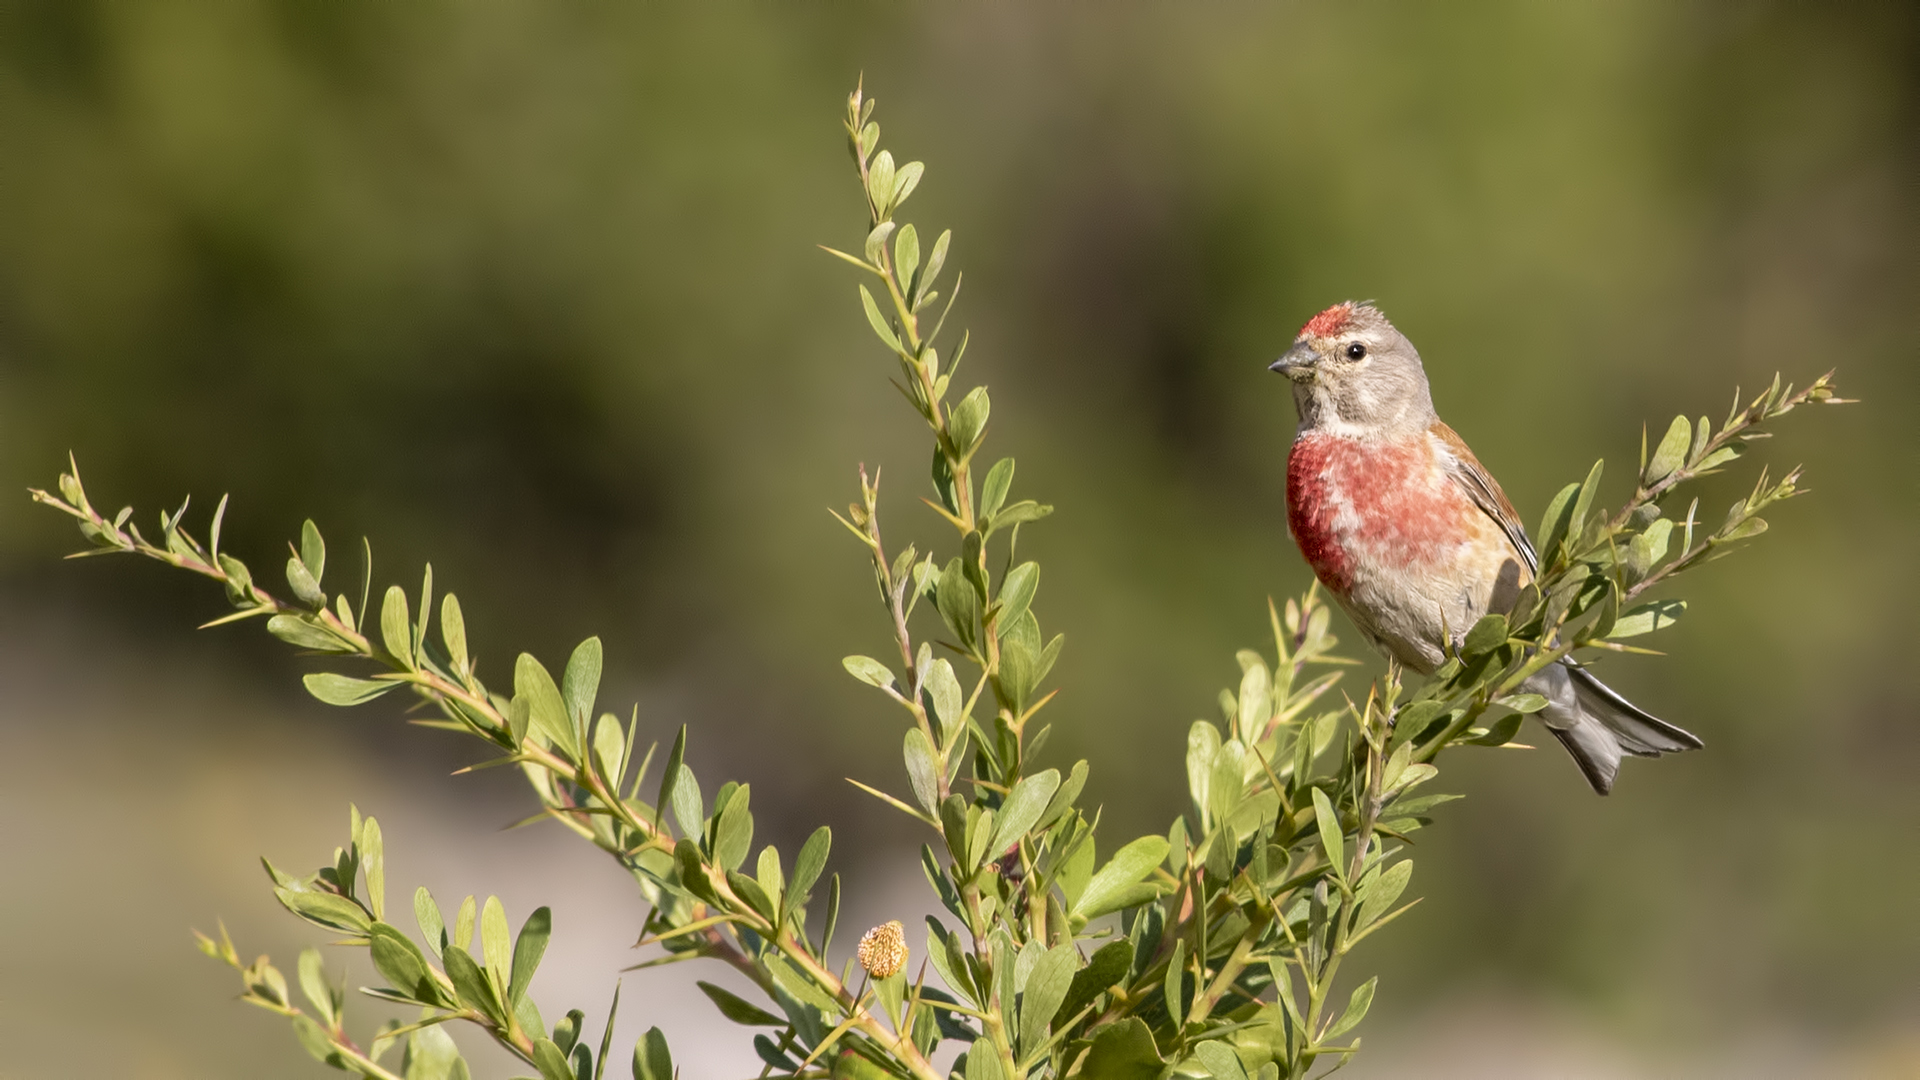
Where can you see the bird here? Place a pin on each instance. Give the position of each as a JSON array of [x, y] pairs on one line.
[[1414, 538]]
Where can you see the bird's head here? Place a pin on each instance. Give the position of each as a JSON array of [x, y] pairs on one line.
[[1354, 374]]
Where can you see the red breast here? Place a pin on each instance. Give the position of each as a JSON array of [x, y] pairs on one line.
[[1353, 503]]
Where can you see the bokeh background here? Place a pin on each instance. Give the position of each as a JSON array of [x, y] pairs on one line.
[[531, 291]]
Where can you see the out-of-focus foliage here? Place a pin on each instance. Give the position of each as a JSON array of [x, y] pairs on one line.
[[533, 289]]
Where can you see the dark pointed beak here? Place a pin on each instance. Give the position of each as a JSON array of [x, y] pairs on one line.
[[1297, 362]]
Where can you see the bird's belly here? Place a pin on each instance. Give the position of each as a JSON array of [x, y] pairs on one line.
[[1410, 608], [1408, 555]]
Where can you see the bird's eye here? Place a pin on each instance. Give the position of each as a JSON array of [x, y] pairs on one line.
[[1356, 350]]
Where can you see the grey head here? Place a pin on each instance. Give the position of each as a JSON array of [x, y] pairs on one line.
[[1354, 374]]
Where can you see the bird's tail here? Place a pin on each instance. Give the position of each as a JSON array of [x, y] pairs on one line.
[[1598, 726]]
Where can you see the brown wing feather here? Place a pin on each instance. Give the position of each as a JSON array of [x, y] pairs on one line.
[[1485, 492]]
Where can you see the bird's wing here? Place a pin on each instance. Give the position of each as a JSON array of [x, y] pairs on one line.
[[1480, 486]]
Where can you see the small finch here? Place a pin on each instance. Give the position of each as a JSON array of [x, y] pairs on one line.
[[1412, 536]]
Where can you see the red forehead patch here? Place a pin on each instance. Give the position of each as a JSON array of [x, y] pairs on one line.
[[1329, 322]]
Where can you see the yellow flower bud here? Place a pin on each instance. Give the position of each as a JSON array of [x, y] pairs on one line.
[[883, 951]]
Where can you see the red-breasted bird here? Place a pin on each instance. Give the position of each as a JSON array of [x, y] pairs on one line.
[[1413, 537]]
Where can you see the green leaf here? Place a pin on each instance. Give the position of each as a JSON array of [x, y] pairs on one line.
[[959, 604], [671, 775], [1076, 870], [546, 709], [798, 986], [1331, 839], [906, 258], [373, 862], [737, 1009], [606, 1035], [1122, 1050], [869, 671], [1648, 617], [1203, 745], [1487, 635], [755, 897], [943, 481], [905, 181], [880, 181], [833, 914], [427, 913], [1047, 987], [301, 631], [496, 946], [1647, 548], [1062, 800], [400, 962], [688, 808], [651, 1061], [767, 872], [316, 1041], [923, 770], [432, 1055], [580, 682], [1107, 891], [693, 874], [1500, 732], [993, 491], [550, 1061], [1228, 782], [876, 242], [1523, 703], [983, 1063], [1023, 808], [1553, 525], [1671, 454], [1255, 703], [1019, 514], [1357, 1006], [519, 719], [1174, 988], [945, 954], [396, 626], [313, 550], [808, 865], [879, 322], [313, 983], [733, 831], [239, 578], [1019, 660], [1584, 502], [325, 909], [343, 689], [1382, 891], [949, 703], [453, 631], [470, 984], [300, 580], [968, 421], [1220, 1060], [419, 639], [528, 948], [1016, 591], [1108, 966], [463, 924], [610, 749], [935, 262]]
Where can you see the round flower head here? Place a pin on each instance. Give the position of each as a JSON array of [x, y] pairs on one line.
[[883, 951]]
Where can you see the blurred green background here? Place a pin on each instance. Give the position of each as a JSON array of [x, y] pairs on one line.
[[531, 291]]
